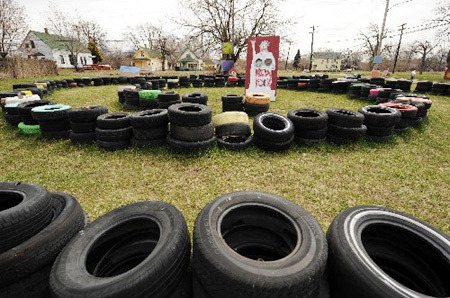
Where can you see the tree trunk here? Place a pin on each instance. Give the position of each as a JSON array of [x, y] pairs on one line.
[[448, 60], [163, 63], [422, 64]]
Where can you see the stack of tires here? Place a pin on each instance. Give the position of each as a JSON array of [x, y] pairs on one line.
[[209, 82], [149, 128], [53, 121], [417, 102], [355, 91], [195, 97], [423, 87], [232, 102], [97, 81], [273, 132], [302, 84], [148, 99], [380, 122], [232, 82], [36, 225], [339, 87], [166, 99], [11, 114], [197, 83], [241, 81], [172, 83], [121, 92], [392, 83], [232, 130], [292, 84], [24, 110], [440, 88], [83, 122], [314, 84], [185, 82], [345, 126], [107, 80], [326, 85], [404, 85], [282, 84], [384, 95], [310, 126], [377, 81], [254, 244], [155, 84], [114, 131], [365, 91], [191, 127], [80, 82], [256, 103], [131, 99], [219, 82], [408, 114]]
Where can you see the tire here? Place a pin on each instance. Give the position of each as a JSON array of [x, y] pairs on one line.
[[55, 135], [351, 133], [379, 138], [148, 103], [308, 119], [113, 146], [407, 111], [147, 143], [379, 131], [345, 118], [269, 227], [166, 105], [229, 118], [229, 107], [311, 134], [34, 285], [83, 137], [253, 110], [114, 135], [338, 140], [168, 97], [271, 146], [83, 127], [89, 267], [54, 125], [189, 114], [149, 119], [24, 110], [41, 249], [308, 142], [13, 120], [379, 252], [86, 114], [25, 210], [192, 134], [29, 129], [150, 133], [234, 142], [257, 98], [195, 97], [50, 112], [380, 116], [273, 128], [401, 130], [113, 120], [187, 147], [232, 99], [233, 129], [415, 122]]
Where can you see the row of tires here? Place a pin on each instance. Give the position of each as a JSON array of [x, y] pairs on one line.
[[245, 244]]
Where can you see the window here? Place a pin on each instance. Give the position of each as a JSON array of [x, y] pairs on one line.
[[27, 46], [32, 44], [142, 55], [62, 59]]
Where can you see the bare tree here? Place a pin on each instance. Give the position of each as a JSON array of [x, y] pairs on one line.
[[142, 35], [408, 54], [443, 21], [13, 26], [166, 44], [91, 30], [218, 21], [371, 39], [423, 48]]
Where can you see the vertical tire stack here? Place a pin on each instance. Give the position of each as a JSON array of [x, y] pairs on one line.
[[196, 97], [24, 110], [11, 114], [310, 126], [148, 99], [185, 82], [339, 87], [219, 82], [424, 86], [440, 88], [345, 126], [53, 121], [232, 102], [131, 99], [404, 85], [83, 122], [166, 99], [191, 127], [121, 92], [114, 131], [380, 122], [408, 113], [233, 131], [232, 82], [197, 83], [273, 132], [422, 112], [149, 128], [256, 103]]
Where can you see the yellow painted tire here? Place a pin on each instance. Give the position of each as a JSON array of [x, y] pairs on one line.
[[230, 117], [257, 98]]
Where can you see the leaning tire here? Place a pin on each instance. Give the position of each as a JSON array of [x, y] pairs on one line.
[[272, 127], [149, 257]]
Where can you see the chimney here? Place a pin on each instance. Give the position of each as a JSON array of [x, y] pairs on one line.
[[46, 30]]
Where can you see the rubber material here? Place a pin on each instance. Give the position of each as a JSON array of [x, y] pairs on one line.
[[192, 134], [230, 117], [149, 119], [189, 114], [308, 119], [235, 142], [187, 147], [113, 120], [272, 127], [345, 118]]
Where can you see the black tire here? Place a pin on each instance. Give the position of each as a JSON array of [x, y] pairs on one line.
[[345, 118], [236, 230], [148, 103], [235, 142], [229, 107], [86, 114], [233, 129], [83, 137], [379, 131], [54, 125], [149, 119], [380, 138], [12, 119], [113, 120], [311, 134], [189, 114], [254, 109], [379, 252], [232, 99], [380, 116], [192, 134], [308, 142], [50, 115], [308, 119], [195, 97], [147, 143], [150, 133], [271, 146], [83, 127], [24, 110], [338, 140], [24, 210], [113, 146], [415, 122], [149, 258], [41, 249], [168, 97], [351, 133], [403, 123], [55, 135], [166, 105], [187, 147], [273, 128], [34, 285], [114, 135]]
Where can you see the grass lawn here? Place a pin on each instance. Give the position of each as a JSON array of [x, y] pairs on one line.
[[410, 174]]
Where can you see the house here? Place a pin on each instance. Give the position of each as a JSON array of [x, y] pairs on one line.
[[326, 61], [42, 45], [147, 59], [188, 60]]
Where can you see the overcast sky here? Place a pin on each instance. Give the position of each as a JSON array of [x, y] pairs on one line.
[[338, 21]]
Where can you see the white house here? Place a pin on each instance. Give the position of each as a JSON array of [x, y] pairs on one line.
[[189, 60], [42, 45]]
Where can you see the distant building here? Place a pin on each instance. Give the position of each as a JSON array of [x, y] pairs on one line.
[[42, 45], [188, 60], [326, 61], [147, 59]]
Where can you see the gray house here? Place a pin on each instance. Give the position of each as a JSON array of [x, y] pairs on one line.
[[42, 45]]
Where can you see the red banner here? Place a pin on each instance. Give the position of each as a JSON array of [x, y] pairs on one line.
[[262, 64]]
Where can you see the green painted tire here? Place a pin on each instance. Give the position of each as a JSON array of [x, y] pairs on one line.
[[29, 129], [149, 94]]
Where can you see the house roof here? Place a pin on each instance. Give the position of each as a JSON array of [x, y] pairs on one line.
[[58, 42], [194, 57], [151, 53], [327, 55]]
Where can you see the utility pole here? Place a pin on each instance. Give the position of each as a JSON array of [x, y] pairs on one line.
[[312, 47], [382, 28], [398, 48], [287, 57]]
